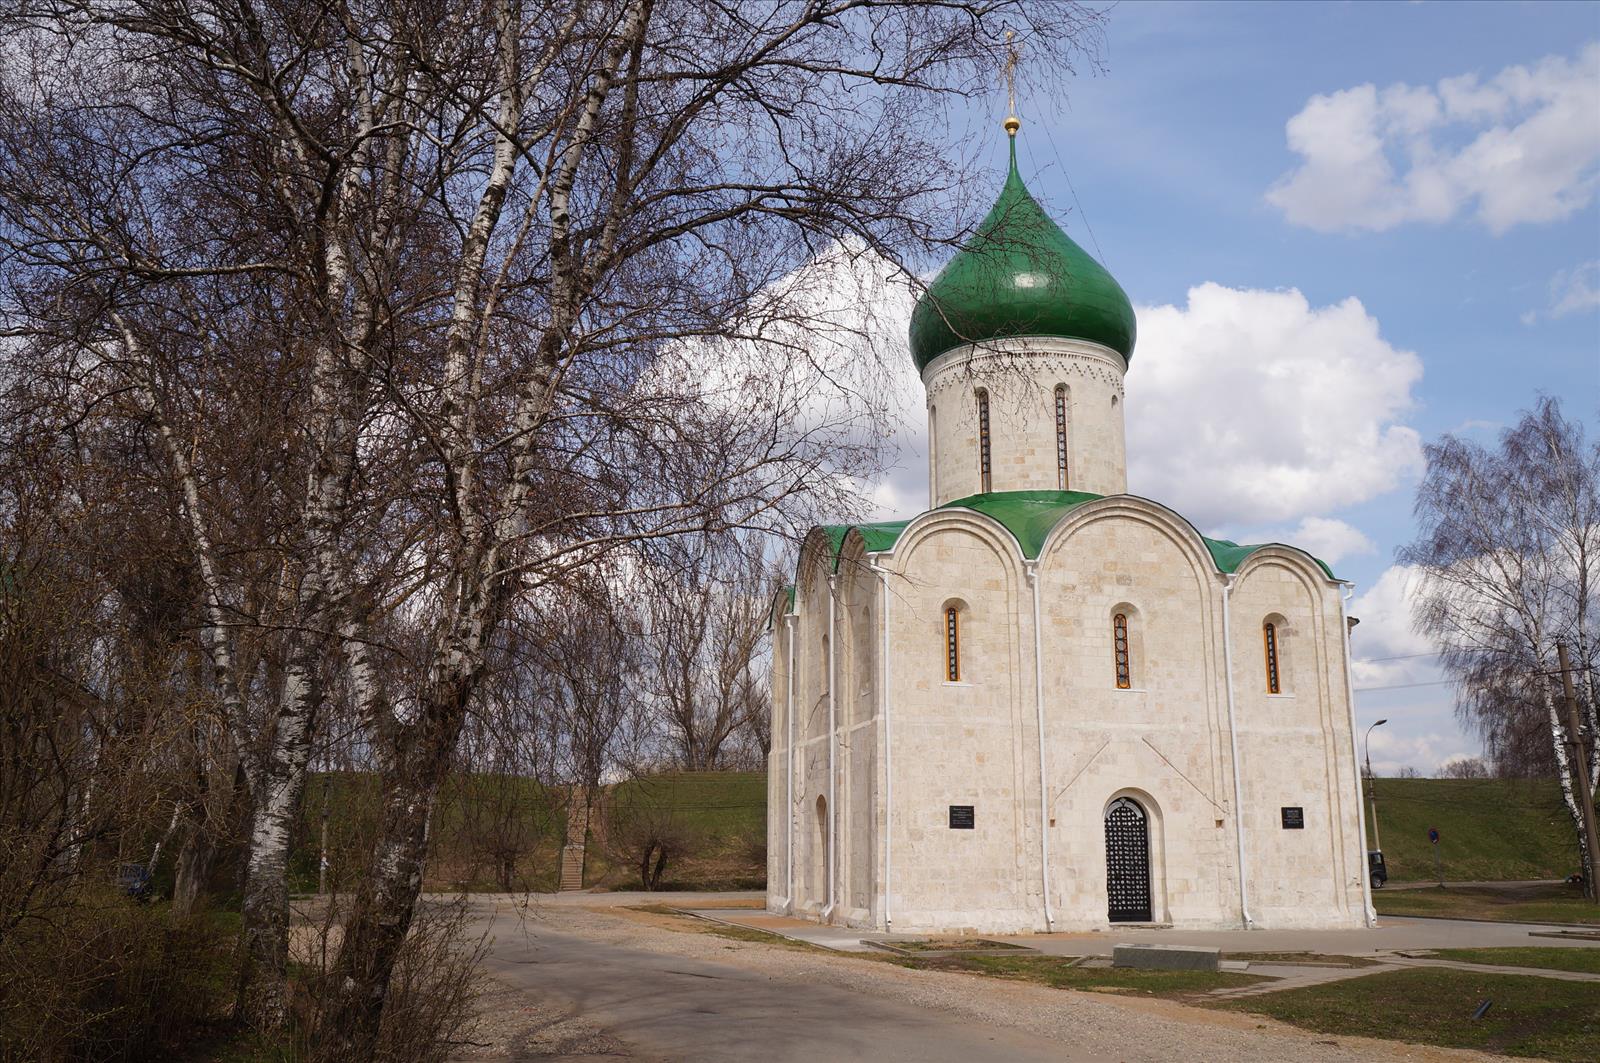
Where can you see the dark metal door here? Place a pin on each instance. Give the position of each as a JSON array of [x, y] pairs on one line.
[[1127, 862]]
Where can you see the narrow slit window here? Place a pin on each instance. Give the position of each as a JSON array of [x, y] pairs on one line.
[[1119, 641], [983, 441], [1061, 436], [952, 644], [1269, 642]]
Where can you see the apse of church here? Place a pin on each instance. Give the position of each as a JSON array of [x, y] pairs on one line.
[[1048, 704]]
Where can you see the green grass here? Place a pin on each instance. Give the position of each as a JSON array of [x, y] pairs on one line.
[[1059, 972], [1489, 829], [1519, 904], [1291, 958], [1586, 960], [725, 805], [1530, 1016], [479, 813], [960, 944], [744, 933]]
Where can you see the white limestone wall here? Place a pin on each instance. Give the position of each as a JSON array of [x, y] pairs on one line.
[[778, 768], [1163, 742], [812, 691], [1294, 747], [1021, 377], [965, 742], [857, 596]]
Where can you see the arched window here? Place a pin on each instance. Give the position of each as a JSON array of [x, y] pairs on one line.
[[1061, 436], [1269, 644], [952, 644], [1119, 644], [983, 441]]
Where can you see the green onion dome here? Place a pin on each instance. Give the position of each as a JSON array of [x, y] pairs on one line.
[[1020, 275]]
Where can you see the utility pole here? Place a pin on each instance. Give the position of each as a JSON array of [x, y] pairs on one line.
[[1591, 833], [1372, 785]]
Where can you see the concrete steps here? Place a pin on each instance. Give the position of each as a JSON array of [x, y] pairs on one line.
[[572, 853], [571, 868]]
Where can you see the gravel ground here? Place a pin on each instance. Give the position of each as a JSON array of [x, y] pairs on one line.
[[530, 1025], [516, 1026]]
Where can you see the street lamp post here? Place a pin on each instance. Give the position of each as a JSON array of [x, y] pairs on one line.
[[1372, 789]]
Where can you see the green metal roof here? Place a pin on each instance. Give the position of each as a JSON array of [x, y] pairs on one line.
[[880, 536], [1020, 275], [1029, 516]]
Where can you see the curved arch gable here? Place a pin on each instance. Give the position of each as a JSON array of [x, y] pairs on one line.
[[1292, 558], [816, 552], [1178, 530], [985, 528]]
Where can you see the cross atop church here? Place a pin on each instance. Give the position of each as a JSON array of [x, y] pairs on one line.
[[1009, 72]]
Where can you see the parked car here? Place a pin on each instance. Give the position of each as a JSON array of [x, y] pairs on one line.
[[134, 879], [1376, 868]]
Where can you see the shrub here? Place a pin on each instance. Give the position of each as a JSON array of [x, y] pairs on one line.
[[431, 1005], [110, 979]]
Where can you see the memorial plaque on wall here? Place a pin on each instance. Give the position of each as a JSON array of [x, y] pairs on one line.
[[962, 817], [1294, 818]]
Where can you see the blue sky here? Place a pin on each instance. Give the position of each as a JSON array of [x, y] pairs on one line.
[[1423, 175]]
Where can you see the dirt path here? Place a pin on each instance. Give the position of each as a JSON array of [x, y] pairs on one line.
[[580, 984]]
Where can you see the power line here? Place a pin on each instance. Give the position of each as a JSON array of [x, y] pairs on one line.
[[1400, 657], [1060, 162], [1406, 686]]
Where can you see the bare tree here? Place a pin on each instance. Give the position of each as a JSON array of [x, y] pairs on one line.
[[486, 293], [707, 622], [1465, 768], [584, 666], [1509, 550], [645, 830]]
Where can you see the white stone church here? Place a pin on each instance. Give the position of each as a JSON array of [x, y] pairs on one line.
[[1048, 704]]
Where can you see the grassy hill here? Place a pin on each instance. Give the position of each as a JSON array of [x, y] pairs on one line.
[[492, 829], [1489, 829]]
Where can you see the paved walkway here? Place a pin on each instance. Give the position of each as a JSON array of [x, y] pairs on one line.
[[1392, 934], [647, 992], [1506, 884]]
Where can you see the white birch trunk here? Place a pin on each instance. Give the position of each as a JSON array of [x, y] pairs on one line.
[[263, 987]]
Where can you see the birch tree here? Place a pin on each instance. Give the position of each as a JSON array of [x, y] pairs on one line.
[[1508, 548], [516, 274]]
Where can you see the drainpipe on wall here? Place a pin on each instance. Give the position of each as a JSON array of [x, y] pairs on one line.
[[1038, 708], [888, 747], [833, 741], [1233, 742], [788, 623], [1369, 912]]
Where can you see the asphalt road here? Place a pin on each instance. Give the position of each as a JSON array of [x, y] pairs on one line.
[[678, 1008], [584, 985]]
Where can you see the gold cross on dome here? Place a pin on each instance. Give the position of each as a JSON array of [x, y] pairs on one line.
[[1012, 122]]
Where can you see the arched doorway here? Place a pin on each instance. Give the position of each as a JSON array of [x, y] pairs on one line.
[[825, 853], [1127, 862]]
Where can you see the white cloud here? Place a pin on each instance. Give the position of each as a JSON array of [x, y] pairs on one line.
[[818, 370], [1245, 408], [1522, 147], [1331, 540], [1395, 746], [1385, 648], [1572, 291], [1253, 407]]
